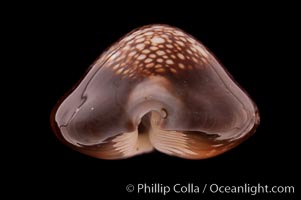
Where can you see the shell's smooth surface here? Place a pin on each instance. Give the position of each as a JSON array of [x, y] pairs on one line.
[[157, 88]]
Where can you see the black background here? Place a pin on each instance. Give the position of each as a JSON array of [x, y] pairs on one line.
[[255, 43]]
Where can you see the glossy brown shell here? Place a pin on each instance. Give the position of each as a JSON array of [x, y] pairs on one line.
[[157, 88]]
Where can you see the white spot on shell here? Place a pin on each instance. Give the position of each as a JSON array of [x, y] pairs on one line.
[[181, 56], [126, 71], [159, 60], [146, 51], [115, 67], [169, 46], [154, 48], [158, 66], [140, 46], [194, 59], [173, 70], [179, 33], [140, 40], [180, 43], [160, 53], [149, 65], [132, 53], [183, 39], [157, 40], [141, 57], [149, 33], [170, 62], [119, 71], [148, 60], [188, 51], [152, 55], [181, 66]]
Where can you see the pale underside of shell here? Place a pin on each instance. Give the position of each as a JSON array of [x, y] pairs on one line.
[[157, 88]]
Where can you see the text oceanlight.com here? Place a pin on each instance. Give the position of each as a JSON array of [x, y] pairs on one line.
[[213, 188]]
